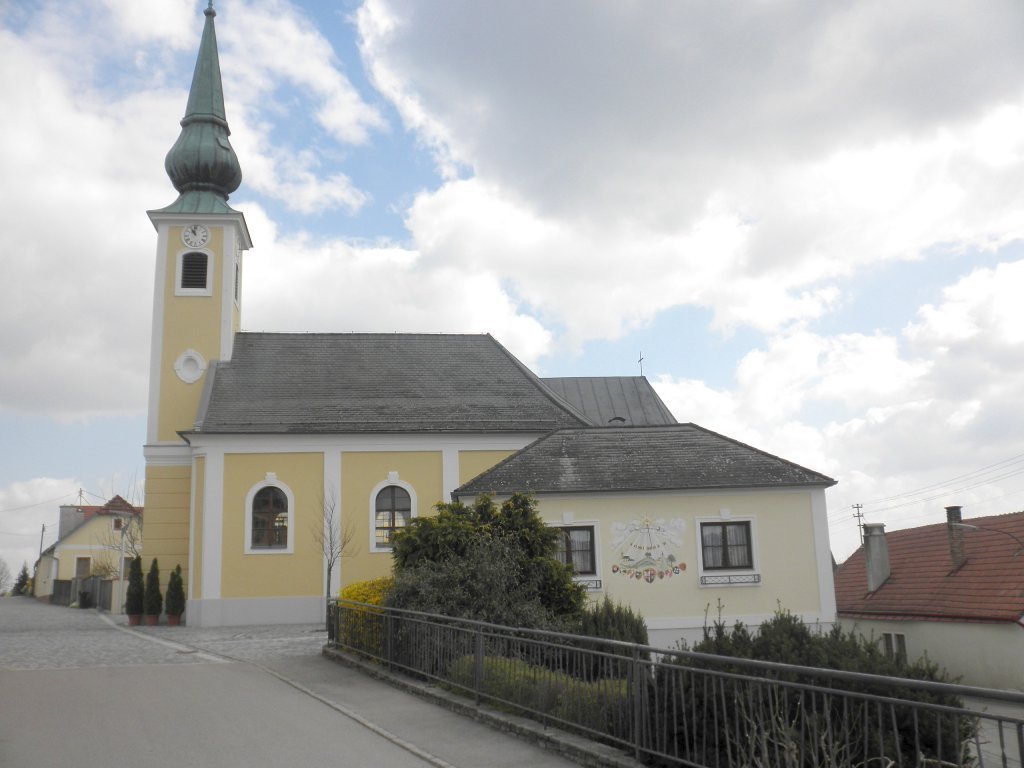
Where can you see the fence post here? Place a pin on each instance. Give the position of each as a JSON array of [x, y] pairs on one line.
[[478, 663], [636, 691], [389, 634]]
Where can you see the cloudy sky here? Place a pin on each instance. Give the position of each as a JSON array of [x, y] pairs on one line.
[[806, 216]]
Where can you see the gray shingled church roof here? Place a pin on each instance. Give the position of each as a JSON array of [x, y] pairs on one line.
[[371, 382], [678, 457], [610, 400]]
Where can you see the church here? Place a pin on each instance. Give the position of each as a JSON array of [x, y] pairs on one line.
[[261, 446]]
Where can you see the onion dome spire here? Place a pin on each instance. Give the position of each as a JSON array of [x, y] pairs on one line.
[[202, 165]]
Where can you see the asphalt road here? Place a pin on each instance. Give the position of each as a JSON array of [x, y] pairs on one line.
[[79, 689]]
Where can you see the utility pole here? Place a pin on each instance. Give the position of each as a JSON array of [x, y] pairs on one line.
[[41, 539], [641, 362], [860, 520]]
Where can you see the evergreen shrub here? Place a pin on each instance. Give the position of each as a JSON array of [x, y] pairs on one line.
[[153, 600], [602, 706], [175, 593], [786, 639], [134, 598]]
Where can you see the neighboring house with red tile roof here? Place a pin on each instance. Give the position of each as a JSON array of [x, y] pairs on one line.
[[952, 591], [88, 544]]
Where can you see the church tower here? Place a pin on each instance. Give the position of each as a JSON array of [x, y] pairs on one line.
[[196, 300]]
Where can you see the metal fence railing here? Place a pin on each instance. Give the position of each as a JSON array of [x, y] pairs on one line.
[[671, 707]]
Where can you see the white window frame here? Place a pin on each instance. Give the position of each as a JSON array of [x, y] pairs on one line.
[[894, 645], [236, 276], [271, 479], [392, 479], [715, 578], [208, 290]]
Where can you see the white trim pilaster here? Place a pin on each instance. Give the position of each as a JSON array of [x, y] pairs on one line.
[[213, 523]]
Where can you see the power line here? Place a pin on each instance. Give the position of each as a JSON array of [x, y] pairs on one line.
[[37, 504], [943, 483]]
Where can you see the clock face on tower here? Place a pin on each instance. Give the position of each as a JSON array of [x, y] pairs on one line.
[[195, 235]]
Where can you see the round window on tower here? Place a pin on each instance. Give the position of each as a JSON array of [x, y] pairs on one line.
[[190, 366]]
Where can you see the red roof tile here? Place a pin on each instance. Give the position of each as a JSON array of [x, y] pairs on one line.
[[924, 585]]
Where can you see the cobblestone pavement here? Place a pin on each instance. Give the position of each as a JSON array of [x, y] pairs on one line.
[[34, 635]]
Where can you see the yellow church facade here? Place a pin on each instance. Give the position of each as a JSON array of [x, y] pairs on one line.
[[261, 447]]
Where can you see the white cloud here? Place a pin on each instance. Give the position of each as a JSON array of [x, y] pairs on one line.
[[927, 407], [691, 154], [26, 507]]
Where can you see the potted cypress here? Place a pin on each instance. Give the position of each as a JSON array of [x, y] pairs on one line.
[[133, 602], [175, 599], [154, 601]]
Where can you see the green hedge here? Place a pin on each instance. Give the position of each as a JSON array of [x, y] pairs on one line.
[[601, 706]]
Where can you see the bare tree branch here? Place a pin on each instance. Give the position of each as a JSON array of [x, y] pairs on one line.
[[334, 540], [107, 565]]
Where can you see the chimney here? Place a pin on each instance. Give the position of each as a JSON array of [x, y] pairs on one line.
[[957, 553], [71, 516], [876, 555]]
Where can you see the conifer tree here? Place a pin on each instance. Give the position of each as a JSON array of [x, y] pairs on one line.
[[154, 600], [21, 586]]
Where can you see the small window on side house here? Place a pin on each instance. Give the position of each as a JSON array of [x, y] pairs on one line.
[[270, 519], [575, 547], [894, 646], [193, 271]]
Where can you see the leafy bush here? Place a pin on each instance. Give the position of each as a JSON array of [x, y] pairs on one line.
[[362, 628], [486, 562], [613, 621], [135, 594], [371, 591], [488, 582], [153, 600], [606, 620], [175, 593], [825, 729], [601, 706]]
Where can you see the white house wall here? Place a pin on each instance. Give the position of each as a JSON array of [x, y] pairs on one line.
[[985, 655]]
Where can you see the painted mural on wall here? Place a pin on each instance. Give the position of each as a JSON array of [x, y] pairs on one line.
[[648, 550]]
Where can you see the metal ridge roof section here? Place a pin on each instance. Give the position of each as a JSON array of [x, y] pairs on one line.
[[613, 400], [649, 458], [280, 383]]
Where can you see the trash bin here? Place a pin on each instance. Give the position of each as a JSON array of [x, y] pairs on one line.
[[84, 599]]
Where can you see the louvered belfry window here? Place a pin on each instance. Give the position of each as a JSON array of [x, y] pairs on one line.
[[193, 270]]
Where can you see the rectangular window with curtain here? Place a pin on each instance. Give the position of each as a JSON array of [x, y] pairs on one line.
[[726, 546], [576, 547]]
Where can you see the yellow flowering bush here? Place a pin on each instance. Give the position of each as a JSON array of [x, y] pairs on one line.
[[372, 591]]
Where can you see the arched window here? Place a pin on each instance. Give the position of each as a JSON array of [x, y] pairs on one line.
[[392, 512], [270, 518]]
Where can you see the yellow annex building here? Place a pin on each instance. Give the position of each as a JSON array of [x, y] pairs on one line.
[[261, 446]]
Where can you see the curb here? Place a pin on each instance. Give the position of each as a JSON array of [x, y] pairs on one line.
[[576, 748]]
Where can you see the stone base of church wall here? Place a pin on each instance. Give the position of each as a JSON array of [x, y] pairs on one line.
[[254, 611]]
